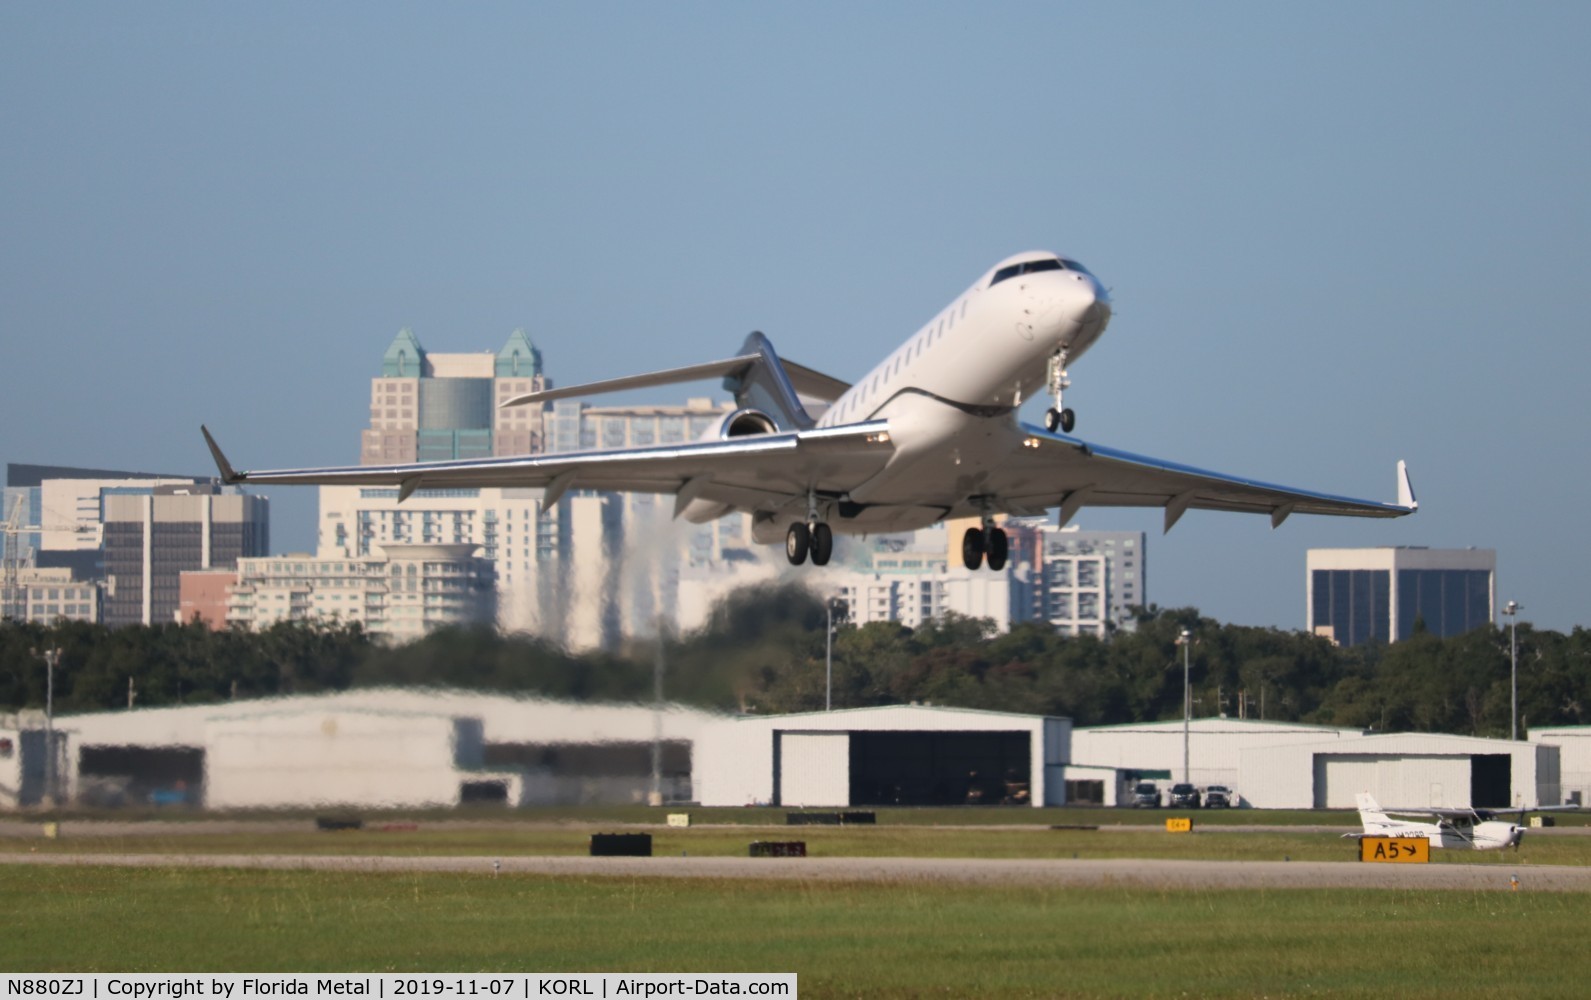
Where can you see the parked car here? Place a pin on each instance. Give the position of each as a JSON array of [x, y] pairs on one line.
[[1146, 794], [1218, 797], [1184, 795]]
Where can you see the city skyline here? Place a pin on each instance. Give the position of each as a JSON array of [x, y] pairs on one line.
[[1333, 242]]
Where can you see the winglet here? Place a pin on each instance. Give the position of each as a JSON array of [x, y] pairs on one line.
[[229, 475], [1405, 488]]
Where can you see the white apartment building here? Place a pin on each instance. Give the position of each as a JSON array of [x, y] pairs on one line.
[[1080, 582], [399, 594], [504, 526]]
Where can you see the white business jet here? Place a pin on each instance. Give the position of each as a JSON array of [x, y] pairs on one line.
[[930, 433], [1476, 828]]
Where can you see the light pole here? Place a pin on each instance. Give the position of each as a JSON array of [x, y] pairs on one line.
[[1185, 639], [51, 657], [655, 798], [1511, 610], [828, 657]]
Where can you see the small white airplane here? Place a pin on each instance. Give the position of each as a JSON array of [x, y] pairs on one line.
[[1476, 828], [930, 433]]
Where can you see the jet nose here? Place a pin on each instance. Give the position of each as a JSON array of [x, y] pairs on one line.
[[1063, 308], [1072, 297]]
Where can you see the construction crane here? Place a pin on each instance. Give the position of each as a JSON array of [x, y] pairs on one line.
[[13, 602]]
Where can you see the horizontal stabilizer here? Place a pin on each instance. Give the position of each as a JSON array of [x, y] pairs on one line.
[[814, 384], [669, 376]]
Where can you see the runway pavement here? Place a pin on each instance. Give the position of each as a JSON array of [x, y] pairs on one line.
[[1486, 876]]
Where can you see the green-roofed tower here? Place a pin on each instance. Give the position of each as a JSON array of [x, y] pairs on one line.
[[405, 358], [519, 358], [426, 406]]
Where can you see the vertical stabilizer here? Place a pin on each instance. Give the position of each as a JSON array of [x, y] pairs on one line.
[[763, 385]]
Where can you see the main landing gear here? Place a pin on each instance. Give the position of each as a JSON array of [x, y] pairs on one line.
[[1059, 416], [985, 542], [815, 539], [810, 537]]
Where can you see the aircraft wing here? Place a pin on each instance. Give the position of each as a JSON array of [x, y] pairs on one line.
[[747, 471], [1521, 810], [1054, 470]]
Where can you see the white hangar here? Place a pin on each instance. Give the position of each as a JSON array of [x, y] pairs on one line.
[[895, 755], [1574, 759], [375, 748], [1292, 765], [1403, 769], [1215, 749]]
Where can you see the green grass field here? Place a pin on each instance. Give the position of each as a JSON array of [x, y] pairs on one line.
[[843, 939], [893, 939]]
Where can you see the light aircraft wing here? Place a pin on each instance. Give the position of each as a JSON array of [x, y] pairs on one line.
[[1438, 813], [1054, 470], [1521, 810], [747, 472]]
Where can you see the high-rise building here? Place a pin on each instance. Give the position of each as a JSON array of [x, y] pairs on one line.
[[427, 407], [590, 571], [63, 505], [1386, 594], [1082, 582], [154, 533]]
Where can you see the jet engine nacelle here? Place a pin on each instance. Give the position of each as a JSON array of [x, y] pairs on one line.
[[743, 423]]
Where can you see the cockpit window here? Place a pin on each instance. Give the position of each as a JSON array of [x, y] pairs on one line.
[[1027, 267], [1072, 265]]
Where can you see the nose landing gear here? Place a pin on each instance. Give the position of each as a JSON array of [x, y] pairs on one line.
[[1058, 416]]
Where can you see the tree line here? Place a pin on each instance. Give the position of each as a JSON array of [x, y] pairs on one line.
[[763, 650]]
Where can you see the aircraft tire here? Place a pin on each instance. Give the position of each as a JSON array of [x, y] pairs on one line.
[[1068, 420], [796, 543], [999, 547], [1052, 420], [972, 548], [822, 544]]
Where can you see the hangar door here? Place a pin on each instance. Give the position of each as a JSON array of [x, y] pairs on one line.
[[811, 769], [1396, 780], [940, 768], [134, 775]]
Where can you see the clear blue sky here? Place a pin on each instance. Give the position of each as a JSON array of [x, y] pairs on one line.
[[1337, 235]]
